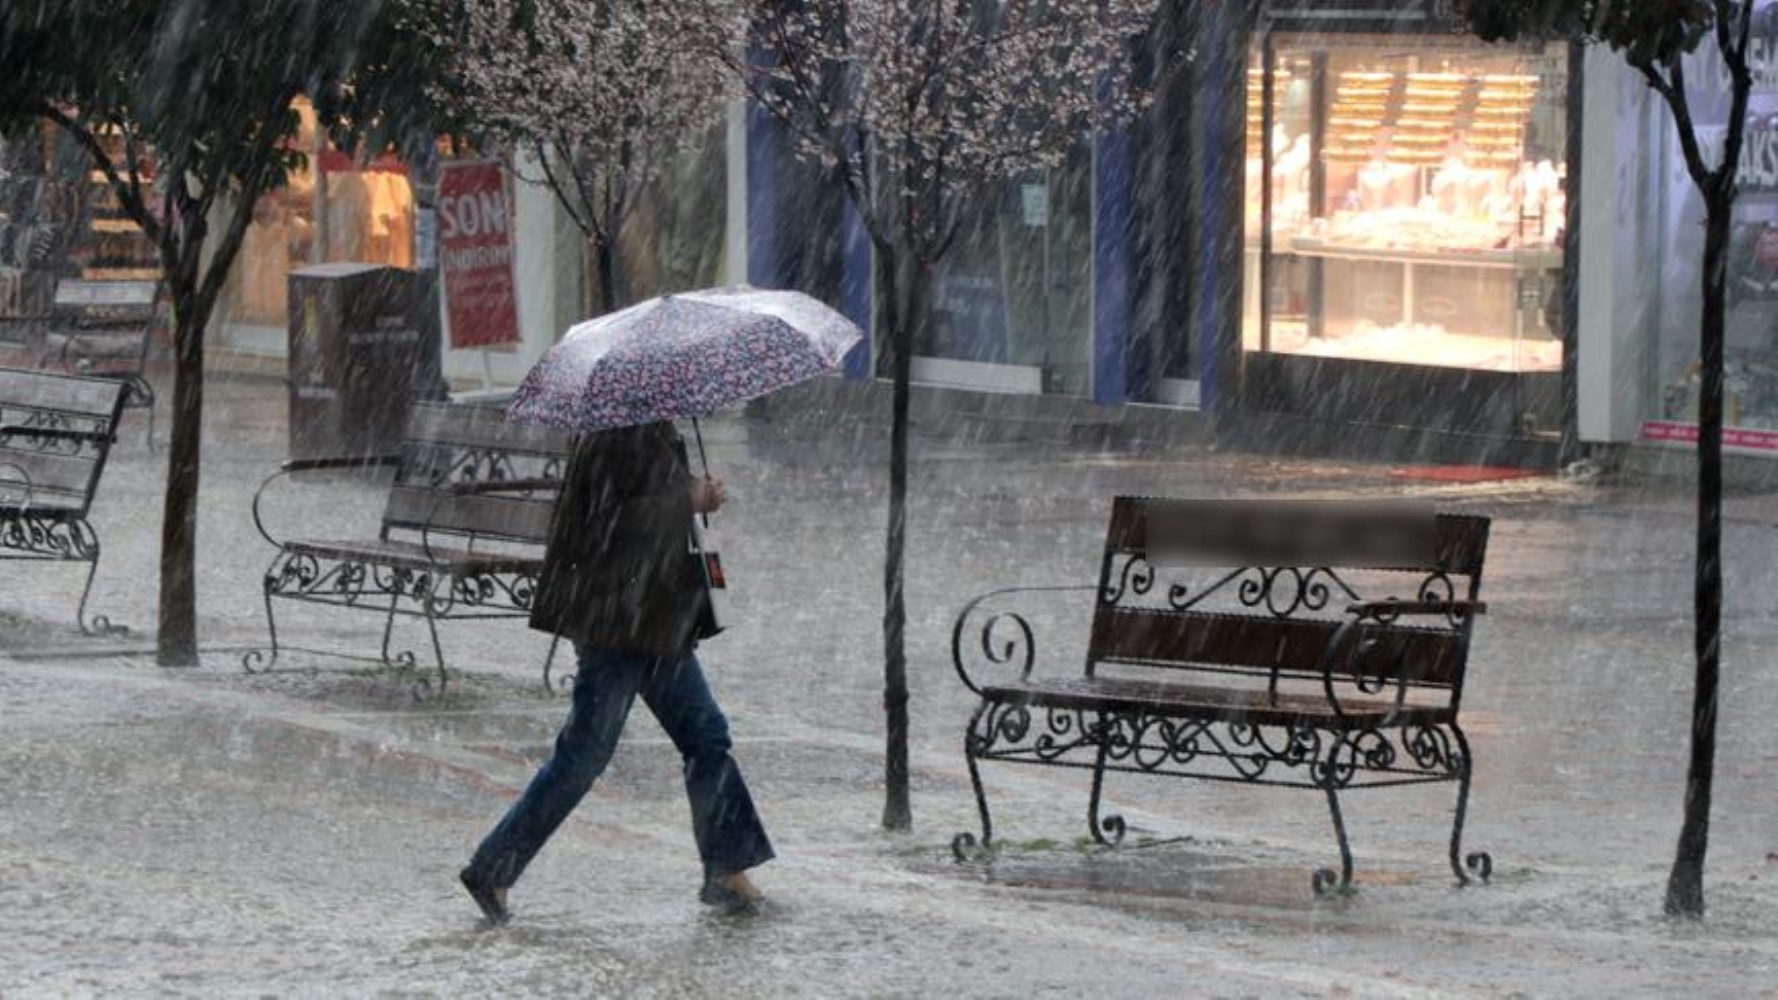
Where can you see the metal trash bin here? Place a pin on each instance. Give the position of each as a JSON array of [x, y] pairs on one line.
[[355, 354]]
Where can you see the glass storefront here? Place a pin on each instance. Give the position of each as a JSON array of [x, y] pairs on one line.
[[1015, 287], [333, 208], [1750, 391], [673, 238], [1415, 191]]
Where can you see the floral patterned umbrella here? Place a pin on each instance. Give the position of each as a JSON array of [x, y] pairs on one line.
[[683, 355]]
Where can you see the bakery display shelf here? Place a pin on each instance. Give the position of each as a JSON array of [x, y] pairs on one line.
[[1524, 259]]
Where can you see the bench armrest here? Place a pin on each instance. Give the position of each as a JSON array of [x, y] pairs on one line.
[[1004, 636], [310, 465], [1365, 619]]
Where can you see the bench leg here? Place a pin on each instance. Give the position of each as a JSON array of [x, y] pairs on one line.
[[144, 395], [432, 603], [964, 845], [1325, 879], [1479, 862], [98, 624], [260, 660], [1108, 831], [404, 658]]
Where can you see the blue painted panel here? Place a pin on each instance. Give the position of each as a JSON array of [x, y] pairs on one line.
[[1113, 195]]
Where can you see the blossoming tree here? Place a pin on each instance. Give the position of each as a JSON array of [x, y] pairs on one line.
[[598, 93], [919, 107]]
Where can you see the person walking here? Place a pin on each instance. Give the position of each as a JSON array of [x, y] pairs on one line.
[[619, 580]]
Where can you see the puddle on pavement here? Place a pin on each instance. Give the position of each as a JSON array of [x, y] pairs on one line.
[[1134, 875]]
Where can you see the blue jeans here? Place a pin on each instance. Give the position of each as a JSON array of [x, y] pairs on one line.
[[729, 835]]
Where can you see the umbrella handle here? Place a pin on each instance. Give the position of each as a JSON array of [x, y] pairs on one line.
[[703, 459]]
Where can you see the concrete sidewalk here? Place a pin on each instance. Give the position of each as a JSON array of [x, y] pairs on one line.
[[206, 832]]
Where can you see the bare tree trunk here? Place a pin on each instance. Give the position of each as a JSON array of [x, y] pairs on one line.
[[1685, 884], [598, 278], [897, 280], [176, 640]]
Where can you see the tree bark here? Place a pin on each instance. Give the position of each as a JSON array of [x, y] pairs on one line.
[[176, 640], [599, 275], [1685, 884], [898, 281]]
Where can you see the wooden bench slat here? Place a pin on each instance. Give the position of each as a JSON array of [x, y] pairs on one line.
[[49, 472], [1139, 635], [481, 427], [1191, 701], [101, 293], [490, 515], [24, 389]]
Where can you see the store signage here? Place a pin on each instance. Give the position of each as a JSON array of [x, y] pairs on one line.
[[1677, 432], [475, 254], [333, 161], [1035, 198]]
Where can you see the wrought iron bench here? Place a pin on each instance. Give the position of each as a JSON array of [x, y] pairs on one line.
[[462, 532], [1250, 643], [105, 328], [56, 432]]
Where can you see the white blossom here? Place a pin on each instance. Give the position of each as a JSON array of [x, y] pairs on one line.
[[602, 92], [927, 103]]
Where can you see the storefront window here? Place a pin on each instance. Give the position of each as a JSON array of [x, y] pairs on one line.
[[673, 239], [1015, 287], [1415, 190], [1750, 389], [333, 208]]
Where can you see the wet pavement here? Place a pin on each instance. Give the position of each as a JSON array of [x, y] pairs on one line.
[[205, 832]]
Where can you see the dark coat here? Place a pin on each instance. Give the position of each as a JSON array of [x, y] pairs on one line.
[[617, 574]]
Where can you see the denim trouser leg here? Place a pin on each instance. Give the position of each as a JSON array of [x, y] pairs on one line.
[[723, 819], [727, 828]]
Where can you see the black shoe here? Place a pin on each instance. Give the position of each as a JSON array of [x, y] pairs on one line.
[[732, 900], [486, 895]]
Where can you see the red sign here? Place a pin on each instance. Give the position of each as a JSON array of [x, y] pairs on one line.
[[1746, 438], [475, 254], [333, 161]]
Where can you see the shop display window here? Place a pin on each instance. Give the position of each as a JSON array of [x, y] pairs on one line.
[[333, 208], [669, 242], [1750, 385], [1015, 287], [1405, 201]]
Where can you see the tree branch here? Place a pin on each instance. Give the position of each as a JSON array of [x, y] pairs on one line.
[[561, 193], [253, 183], [128, 195], [1741, 86], [1673, 92]]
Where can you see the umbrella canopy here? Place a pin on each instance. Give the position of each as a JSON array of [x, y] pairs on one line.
[[684, 355]]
